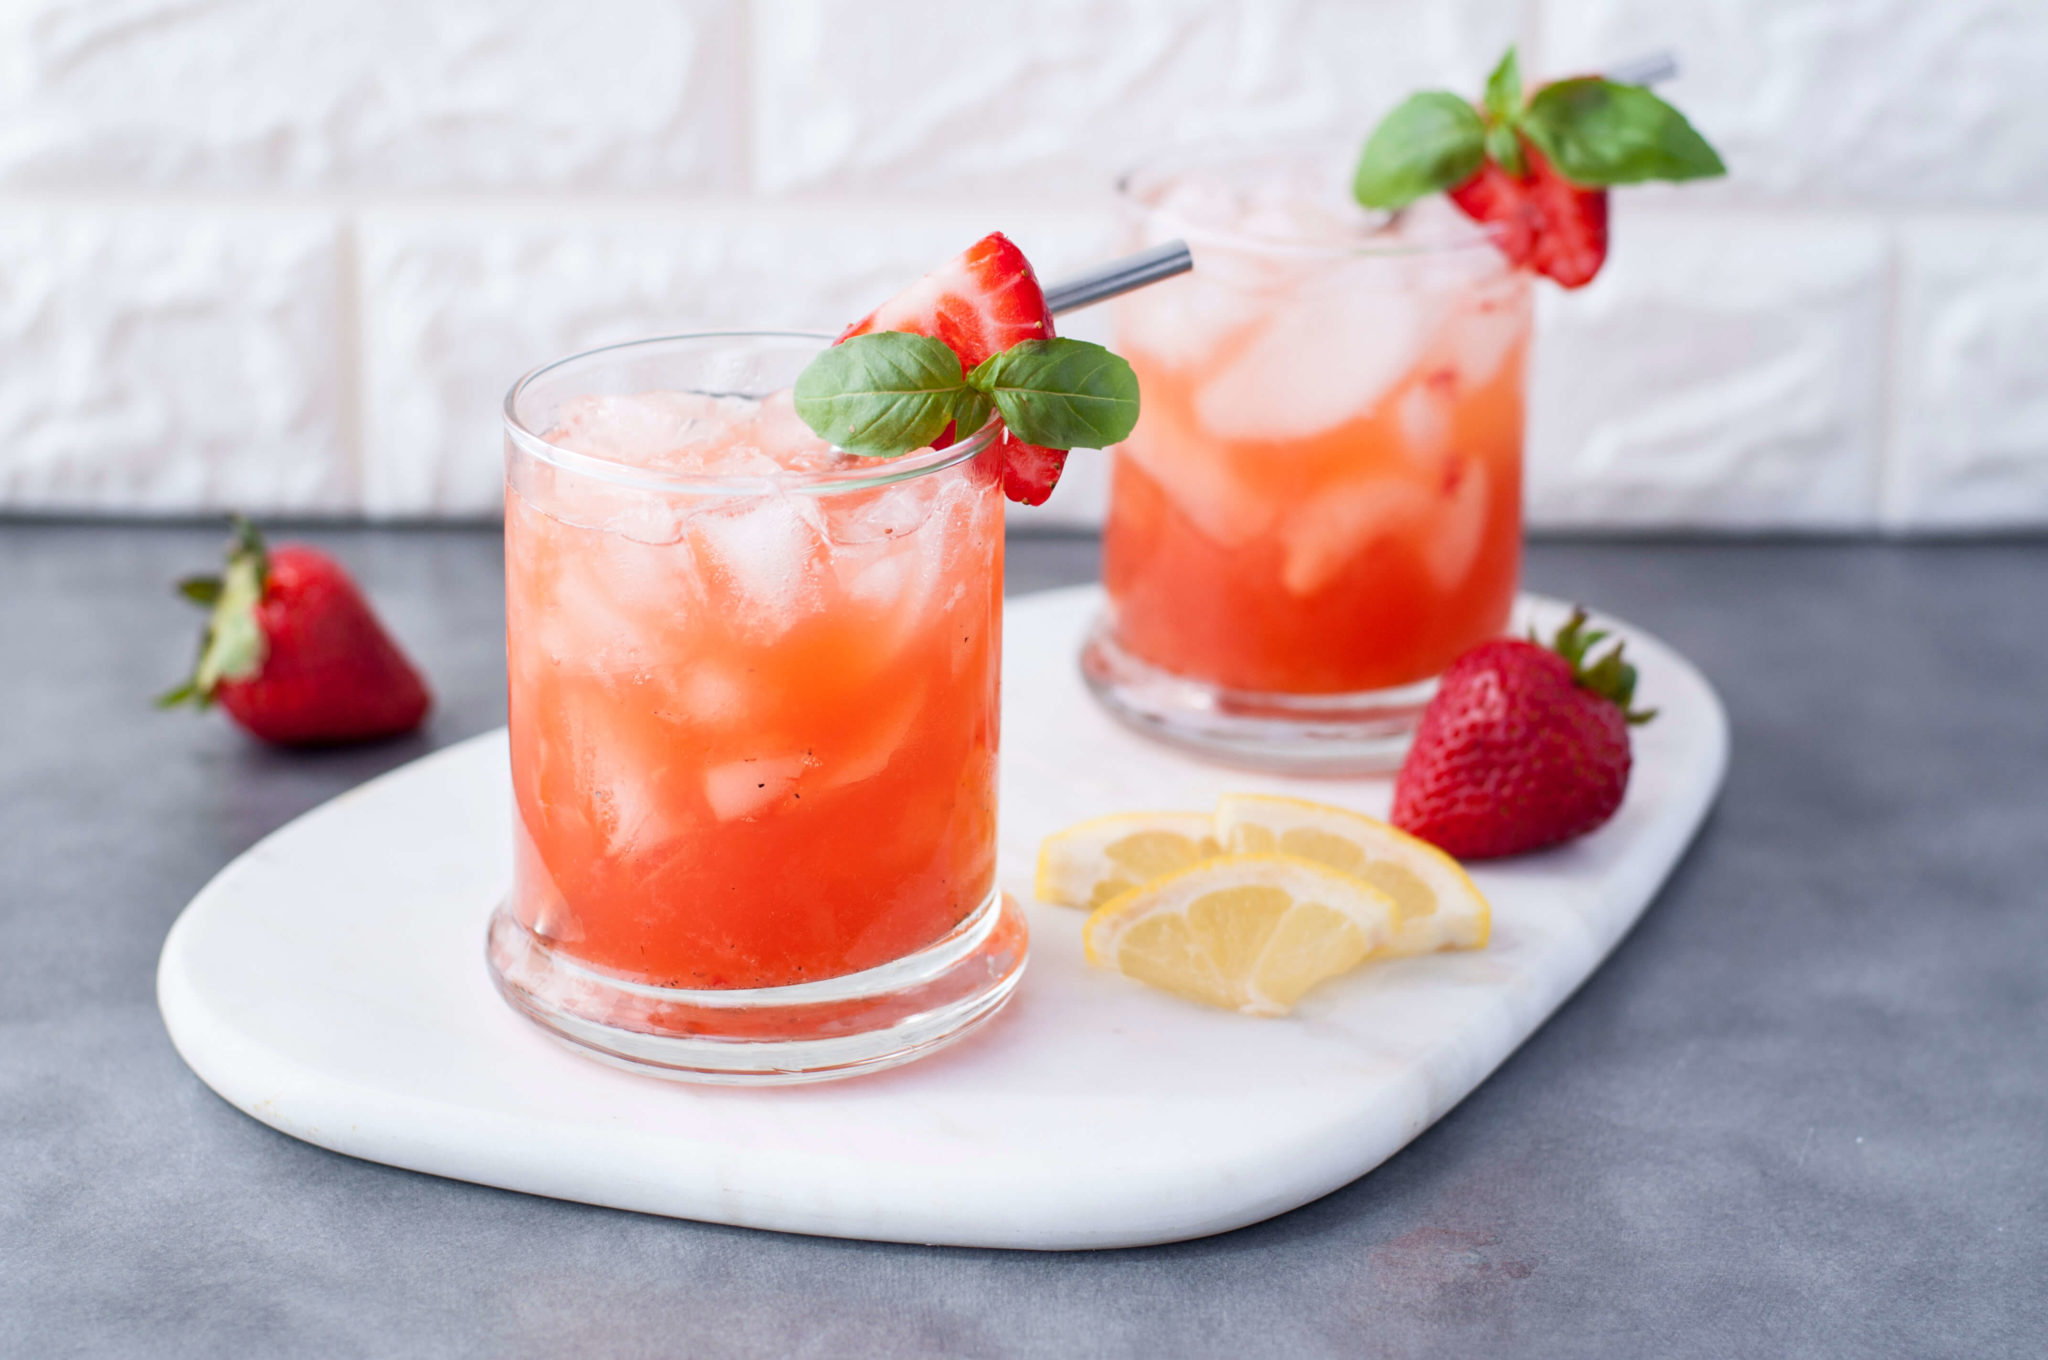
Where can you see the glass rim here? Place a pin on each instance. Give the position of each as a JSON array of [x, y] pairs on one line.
[[1153, 170], [824, 481]]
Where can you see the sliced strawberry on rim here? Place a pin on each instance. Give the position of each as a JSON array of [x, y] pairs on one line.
[[1030, 472], [1544, 221], [980, 303]]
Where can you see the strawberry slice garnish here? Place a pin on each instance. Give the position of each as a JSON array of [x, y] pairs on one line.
[[1543, 221], [980, 303], [1030, 472]]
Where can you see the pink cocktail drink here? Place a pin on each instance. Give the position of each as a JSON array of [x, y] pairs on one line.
[[753, 718], [1320, 506]]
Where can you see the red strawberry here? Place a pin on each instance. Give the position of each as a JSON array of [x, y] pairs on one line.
[[1522, 747], [1545, 222], [980, 303], [294, 653]]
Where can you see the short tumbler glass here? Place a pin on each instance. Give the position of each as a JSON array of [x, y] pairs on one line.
[[1320, 507], [753, 729]]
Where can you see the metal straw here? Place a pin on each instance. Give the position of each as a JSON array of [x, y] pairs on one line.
[[1647, 69], [1119, 276]]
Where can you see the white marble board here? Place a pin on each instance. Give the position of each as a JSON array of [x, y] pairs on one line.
[[331, 983]]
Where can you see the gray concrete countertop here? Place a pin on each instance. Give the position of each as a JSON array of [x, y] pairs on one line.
[[1803, 1110]]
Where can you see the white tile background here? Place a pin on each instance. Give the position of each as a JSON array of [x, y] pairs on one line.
[[287, 256]]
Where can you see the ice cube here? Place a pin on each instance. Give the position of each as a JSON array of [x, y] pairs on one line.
[[886, 512], [1481, 333], [693, 434], [1199, 480], [1458, 526], [1423, 415], [763, 549], [1335, 525], [745, 788], [641, 429], [1181, 322], [707, 694], [885, 738], [779, 433], [1325, 355]]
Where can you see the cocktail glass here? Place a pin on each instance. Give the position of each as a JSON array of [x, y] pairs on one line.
[[1321, 504], [753, 723]]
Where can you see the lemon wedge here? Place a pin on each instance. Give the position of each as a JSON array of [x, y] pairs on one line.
[[1087, 864], [1250, 933], [1435, 905]]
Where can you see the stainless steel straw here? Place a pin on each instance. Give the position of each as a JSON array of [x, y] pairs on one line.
[[1647, 69], [1119, 276]]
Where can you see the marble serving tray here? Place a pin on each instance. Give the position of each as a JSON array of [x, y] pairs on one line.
[[331, 983]]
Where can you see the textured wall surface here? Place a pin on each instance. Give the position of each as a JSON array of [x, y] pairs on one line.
[[288, 257]]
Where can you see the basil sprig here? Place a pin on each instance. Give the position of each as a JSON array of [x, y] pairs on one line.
[[887, 393], [1599, 133], [1594, 132]]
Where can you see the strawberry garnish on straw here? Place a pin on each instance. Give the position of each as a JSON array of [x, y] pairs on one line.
[[980, 303], [293, 653], [1522, 747], [1537, 169], [971, 340]]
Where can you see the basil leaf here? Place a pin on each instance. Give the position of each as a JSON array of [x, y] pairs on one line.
[[1504, 89], [880, 395], [1597, 133], [1431, 142], [1061, 394], [971, 410], [1504, 149]]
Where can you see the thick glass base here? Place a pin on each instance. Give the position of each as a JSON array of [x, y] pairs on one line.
[[810, 1031], [1313, 734]]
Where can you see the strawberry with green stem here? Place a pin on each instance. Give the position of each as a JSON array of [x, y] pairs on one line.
[[293, 653], [1535, 168], [1523, 745]]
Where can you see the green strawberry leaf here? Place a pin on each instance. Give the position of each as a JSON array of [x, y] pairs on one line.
[[881, 395], [1061, 394], [1597, 133], [200, 589], [1433, 141], [1609, 676], [234, 647], [1504, 89]]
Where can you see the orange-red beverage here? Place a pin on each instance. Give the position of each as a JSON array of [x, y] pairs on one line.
[[753, 718], [1321, 504]]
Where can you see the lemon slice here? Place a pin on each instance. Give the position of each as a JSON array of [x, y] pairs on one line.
[[1435, 905], [1246, 932], [1086, 865]]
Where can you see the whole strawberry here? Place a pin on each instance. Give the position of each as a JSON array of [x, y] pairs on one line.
[[294, 654], [1523, 746]]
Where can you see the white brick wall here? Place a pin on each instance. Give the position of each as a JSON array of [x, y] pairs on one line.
[[289, 256]]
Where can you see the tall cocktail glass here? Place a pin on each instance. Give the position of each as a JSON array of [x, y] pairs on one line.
[[1321, 504], [753, 688]]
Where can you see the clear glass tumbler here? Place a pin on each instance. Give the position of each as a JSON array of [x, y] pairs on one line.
[[753, 691], [1320, 507]]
